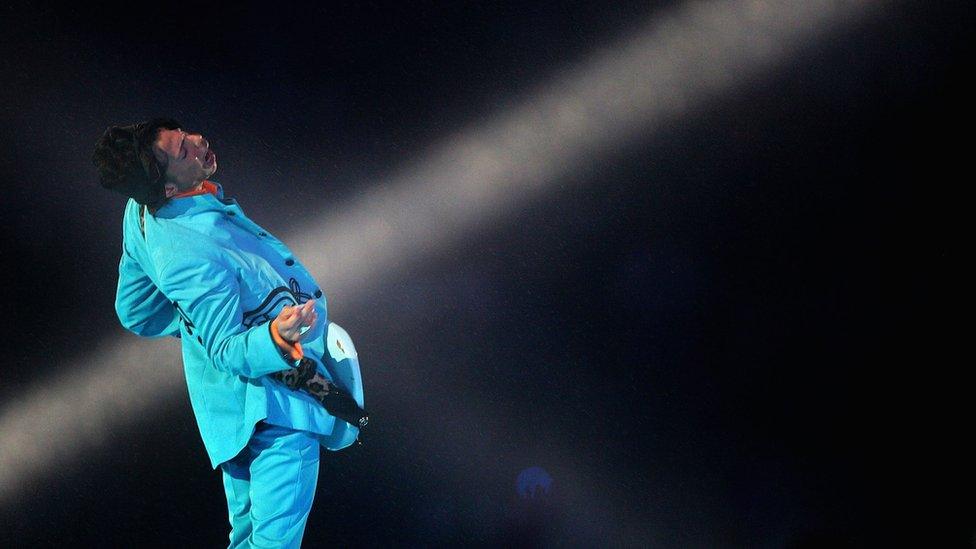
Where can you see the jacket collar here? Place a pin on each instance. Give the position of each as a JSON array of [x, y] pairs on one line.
[[197, 203], [205, 187]]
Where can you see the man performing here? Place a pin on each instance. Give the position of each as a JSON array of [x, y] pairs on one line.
[[270, 381]]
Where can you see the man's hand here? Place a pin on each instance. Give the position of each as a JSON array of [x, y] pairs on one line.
[[292, 319]]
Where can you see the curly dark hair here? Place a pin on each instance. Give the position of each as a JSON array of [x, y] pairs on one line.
[[126, 163]]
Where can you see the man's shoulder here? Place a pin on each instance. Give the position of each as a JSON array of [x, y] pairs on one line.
[[200, 261], [177, 239]]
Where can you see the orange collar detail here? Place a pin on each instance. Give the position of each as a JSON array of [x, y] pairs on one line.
[[207, 187]]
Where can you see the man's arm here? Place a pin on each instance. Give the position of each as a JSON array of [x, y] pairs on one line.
[[208, 294], [140, 305]]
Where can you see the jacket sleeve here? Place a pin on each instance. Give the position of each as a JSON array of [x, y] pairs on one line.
[[140, 305], [208, 295]]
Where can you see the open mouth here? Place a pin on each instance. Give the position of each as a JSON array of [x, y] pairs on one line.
[[209, 158]]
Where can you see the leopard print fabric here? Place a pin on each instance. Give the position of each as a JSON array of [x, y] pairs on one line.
[[298, 377]]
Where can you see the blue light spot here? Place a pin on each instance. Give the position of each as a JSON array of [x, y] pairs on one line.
[[533, 482]]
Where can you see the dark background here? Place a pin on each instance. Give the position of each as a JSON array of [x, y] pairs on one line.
[[748, 329]]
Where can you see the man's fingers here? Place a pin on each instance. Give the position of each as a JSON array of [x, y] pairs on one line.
[[307, 323], [295, 320], [307, 310]]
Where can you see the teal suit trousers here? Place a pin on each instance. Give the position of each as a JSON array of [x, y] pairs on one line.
[[270, 486]]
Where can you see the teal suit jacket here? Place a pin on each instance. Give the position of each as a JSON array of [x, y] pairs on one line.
[[200, 270]]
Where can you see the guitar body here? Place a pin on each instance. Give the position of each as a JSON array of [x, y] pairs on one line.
[[342, 363]]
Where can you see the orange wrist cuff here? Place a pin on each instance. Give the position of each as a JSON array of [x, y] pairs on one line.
[[293, 348]]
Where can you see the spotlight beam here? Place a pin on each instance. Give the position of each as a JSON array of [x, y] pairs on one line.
[[476, 177]]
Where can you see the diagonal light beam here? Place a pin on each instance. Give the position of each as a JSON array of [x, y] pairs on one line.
[[474, 178]]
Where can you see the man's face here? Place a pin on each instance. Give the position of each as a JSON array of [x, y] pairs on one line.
[[187, 157]]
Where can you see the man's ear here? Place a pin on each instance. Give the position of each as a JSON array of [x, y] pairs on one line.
[[170, 189]]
